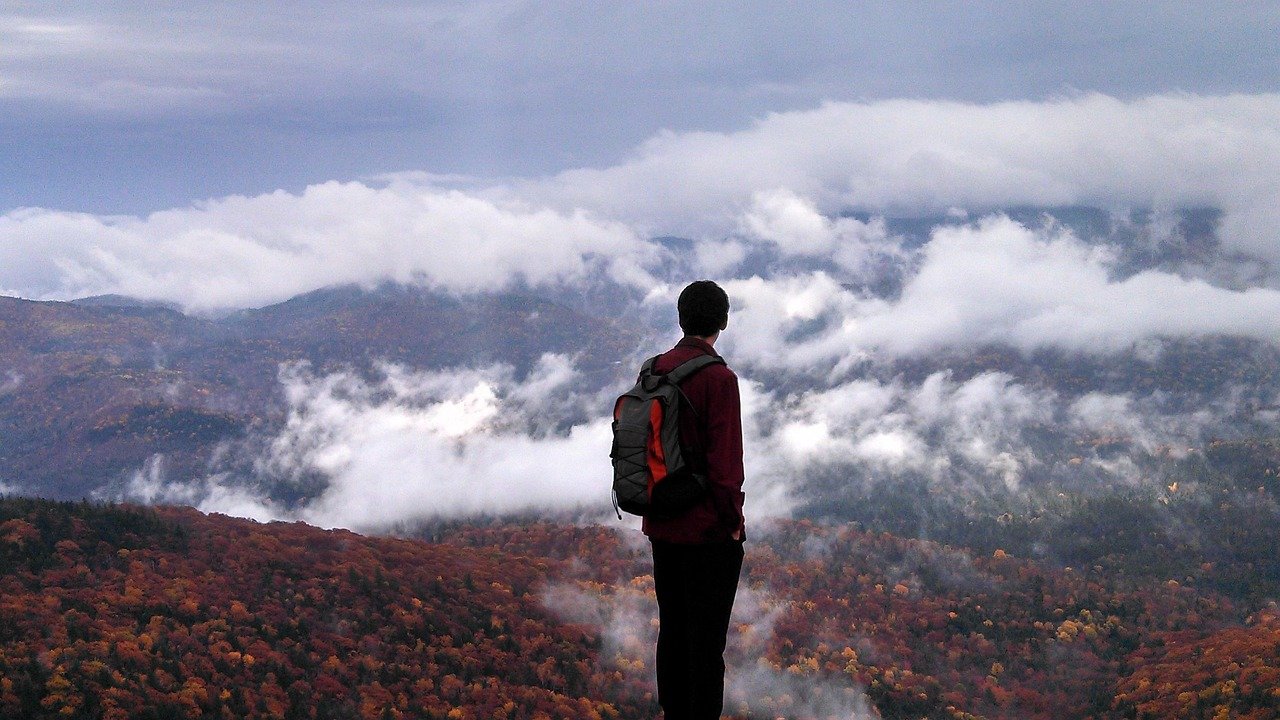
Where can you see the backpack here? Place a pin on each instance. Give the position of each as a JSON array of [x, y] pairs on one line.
[[651, 475]]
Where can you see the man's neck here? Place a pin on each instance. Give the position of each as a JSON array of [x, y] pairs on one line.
[[709, 339]]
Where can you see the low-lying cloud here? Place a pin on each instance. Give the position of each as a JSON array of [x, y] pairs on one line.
[[988, 436], [993, 282], [399, 447], [408, 447], [249, 251], [421, 446]]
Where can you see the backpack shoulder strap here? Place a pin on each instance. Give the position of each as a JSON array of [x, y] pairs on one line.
[[647, 368], [682, 371]]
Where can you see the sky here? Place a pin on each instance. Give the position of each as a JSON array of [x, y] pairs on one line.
[[113, 108]]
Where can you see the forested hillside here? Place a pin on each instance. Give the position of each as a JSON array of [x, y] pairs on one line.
[[126, 612], [119, 612]]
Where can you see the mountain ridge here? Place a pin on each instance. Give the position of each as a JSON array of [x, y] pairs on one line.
[[83, 379]]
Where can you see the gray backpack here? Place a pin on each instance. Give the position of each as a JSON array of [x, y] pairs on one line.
[[651, 475]]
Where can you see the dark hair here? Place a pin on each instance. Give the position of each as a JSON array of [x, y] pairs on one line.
[[704, 308]]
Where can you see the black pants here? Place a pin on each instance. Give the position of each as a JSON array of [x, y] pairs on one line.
[[695, 585]]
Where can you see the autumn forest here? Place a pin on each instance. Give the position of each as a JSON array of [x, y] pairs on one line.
[[114, 611]]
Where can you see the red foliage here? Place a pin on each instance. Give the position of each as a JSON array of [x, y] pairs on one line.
[[286, 620], [1233, 673], [208, 616]]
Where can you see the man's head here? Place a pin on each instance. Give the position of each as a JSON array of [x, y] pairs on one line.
[[704, 309]]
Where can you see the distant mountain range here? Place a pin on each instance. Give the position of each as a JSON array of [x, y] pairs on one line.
[[90, 389]]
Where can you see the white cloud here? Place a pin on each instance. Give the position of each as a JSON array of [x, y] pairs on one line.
[[998, 282], [795, 226], [987, 435], [1145, 424], [789, 220], [415, 445], [151, 484], [418, 446], [917, 156], [782, 184], [719, 258], [994, 282], [465, 442], [411, 446], [247, 251], [767, 317], [408, 446], [942, 429]]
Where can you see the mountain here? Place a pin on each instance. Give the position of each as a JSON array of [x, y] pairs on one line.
[[89, 390]]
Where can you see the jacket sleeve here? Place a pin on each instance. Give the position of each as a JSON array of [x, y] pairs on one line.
[[724, 452]]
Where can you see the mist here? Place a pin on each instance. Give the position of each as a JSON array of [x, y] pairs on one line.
[[396, 448], [625, 615]]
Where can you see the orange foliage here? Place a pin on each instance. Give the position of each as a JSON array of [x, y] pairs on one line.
[[128, 613], [225, 618], [1233, 673]]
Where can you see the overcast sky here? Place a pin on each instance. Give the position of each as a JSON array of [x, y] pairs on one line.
[[133, 107]]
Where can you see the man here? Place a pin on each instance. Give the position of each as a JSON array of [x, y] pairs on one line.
[[697, 556]]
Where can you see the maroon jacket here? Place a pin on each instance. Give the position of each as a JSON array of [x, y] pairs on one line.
[[715, 430]]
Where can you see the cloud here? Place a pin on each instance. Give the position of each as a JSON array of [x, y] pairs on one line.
[[994, 282], [794, 213], [394, 447], [795, 227], [249, 251], [986, 436], [420, 446], [407, 447], [12, 381], [954, 433], [790, 221], [766, 205], [1149, 424], [152, 484], [998, 282], [401, 447], [412, 446], [915, 156]]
